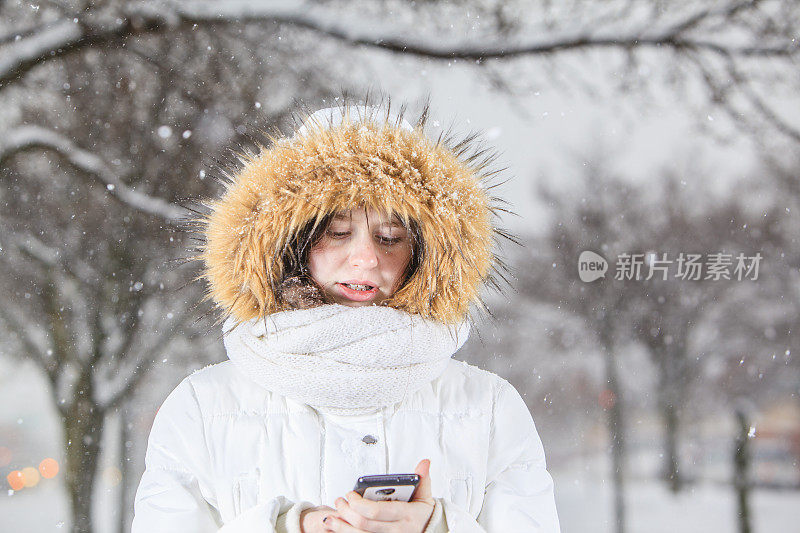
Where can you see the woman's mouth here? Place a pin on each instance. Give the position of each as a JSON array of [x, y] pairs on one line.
[[358, 292]]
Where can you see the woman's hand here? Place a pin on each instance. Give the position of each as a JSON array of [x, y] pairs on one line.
[[358, 515], [311, 519]]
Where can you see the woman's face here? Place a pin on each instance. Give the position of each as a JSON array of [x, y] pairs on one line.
[[361, 258]]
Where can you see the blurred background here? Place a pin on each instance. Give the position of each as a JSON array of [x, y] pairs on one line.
[[661, 136]]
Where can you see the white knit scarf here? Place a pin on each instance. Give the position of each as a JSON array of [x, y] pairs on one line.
[[344, 360]]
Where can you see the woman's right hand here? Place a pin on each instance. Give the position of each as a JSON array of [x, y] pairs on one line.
[[311, 519]]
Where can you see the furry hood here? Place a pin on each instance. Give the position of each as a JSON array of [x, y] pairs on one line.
[[340, 159]]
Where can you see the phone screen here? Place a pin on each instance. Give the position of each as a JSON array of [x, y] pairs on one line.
[[389, 493], [387, 487]]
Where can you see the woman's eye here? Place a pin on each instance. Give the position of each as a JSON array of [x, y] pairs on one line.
[[338, 234], [388, 240]]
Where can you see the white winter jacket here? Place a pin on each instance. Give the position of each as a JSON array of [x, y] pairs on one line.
[[228, 455]]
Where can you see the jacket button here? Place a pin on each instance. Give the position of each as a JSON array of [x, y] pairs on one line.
[[369, 439]]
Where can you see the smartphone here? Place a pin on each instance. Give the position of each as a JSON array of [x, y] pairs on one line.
[[387, 487]]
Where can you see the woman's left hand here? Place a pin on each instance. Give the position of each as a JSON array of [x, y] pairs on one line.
[[358, 515]]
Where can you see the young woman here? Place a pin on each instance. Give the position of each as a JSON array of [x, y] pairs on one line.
[[345, 259]]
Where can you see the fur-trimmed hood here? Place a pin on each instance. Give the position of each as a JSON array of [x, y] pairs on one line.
[[356, 156]]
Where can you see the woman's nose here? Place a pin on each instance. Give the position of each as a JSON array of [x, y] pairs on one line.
[[363, 253]]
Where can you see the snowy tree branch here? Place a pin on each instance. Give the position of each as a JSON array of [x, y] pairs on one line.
[[42, 350], [34, 47], [721, 96], [25, 330], [62, 292], [66, 36], [51, 260], [725, 12], [29, 137], [146, 361], [757, 102], [134, 326], [167, 70]]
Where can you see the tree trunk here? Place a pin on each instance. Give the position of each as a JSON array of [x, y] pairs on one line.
[[669, 362], [741, 460], [125, 505], [83, 428], [671, 474], [616, 431]]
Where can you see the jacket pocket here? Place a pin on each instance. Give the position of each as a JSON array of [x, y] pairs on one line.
[[245, 492], [461, 491]]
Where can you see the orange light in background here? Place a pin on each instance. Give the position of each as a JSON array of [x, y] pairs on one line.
[[30, 476], [16, 480], [607, 399], [48, 468], [112, 476], [5, 456]]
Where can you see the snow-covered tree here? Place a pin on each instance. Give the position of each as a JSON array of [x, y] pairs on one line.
[[650, 294], [95, 176], [742, 53]]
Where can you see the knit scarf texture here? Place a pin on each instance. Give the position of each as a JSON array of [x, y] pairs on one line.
[[340, 359]]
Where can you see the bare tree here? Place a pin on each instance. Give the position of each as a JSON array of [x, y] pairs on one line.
[[85, 309], [90, 229], [674, 298], [741, 51], [650, 230], [586, 223]]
